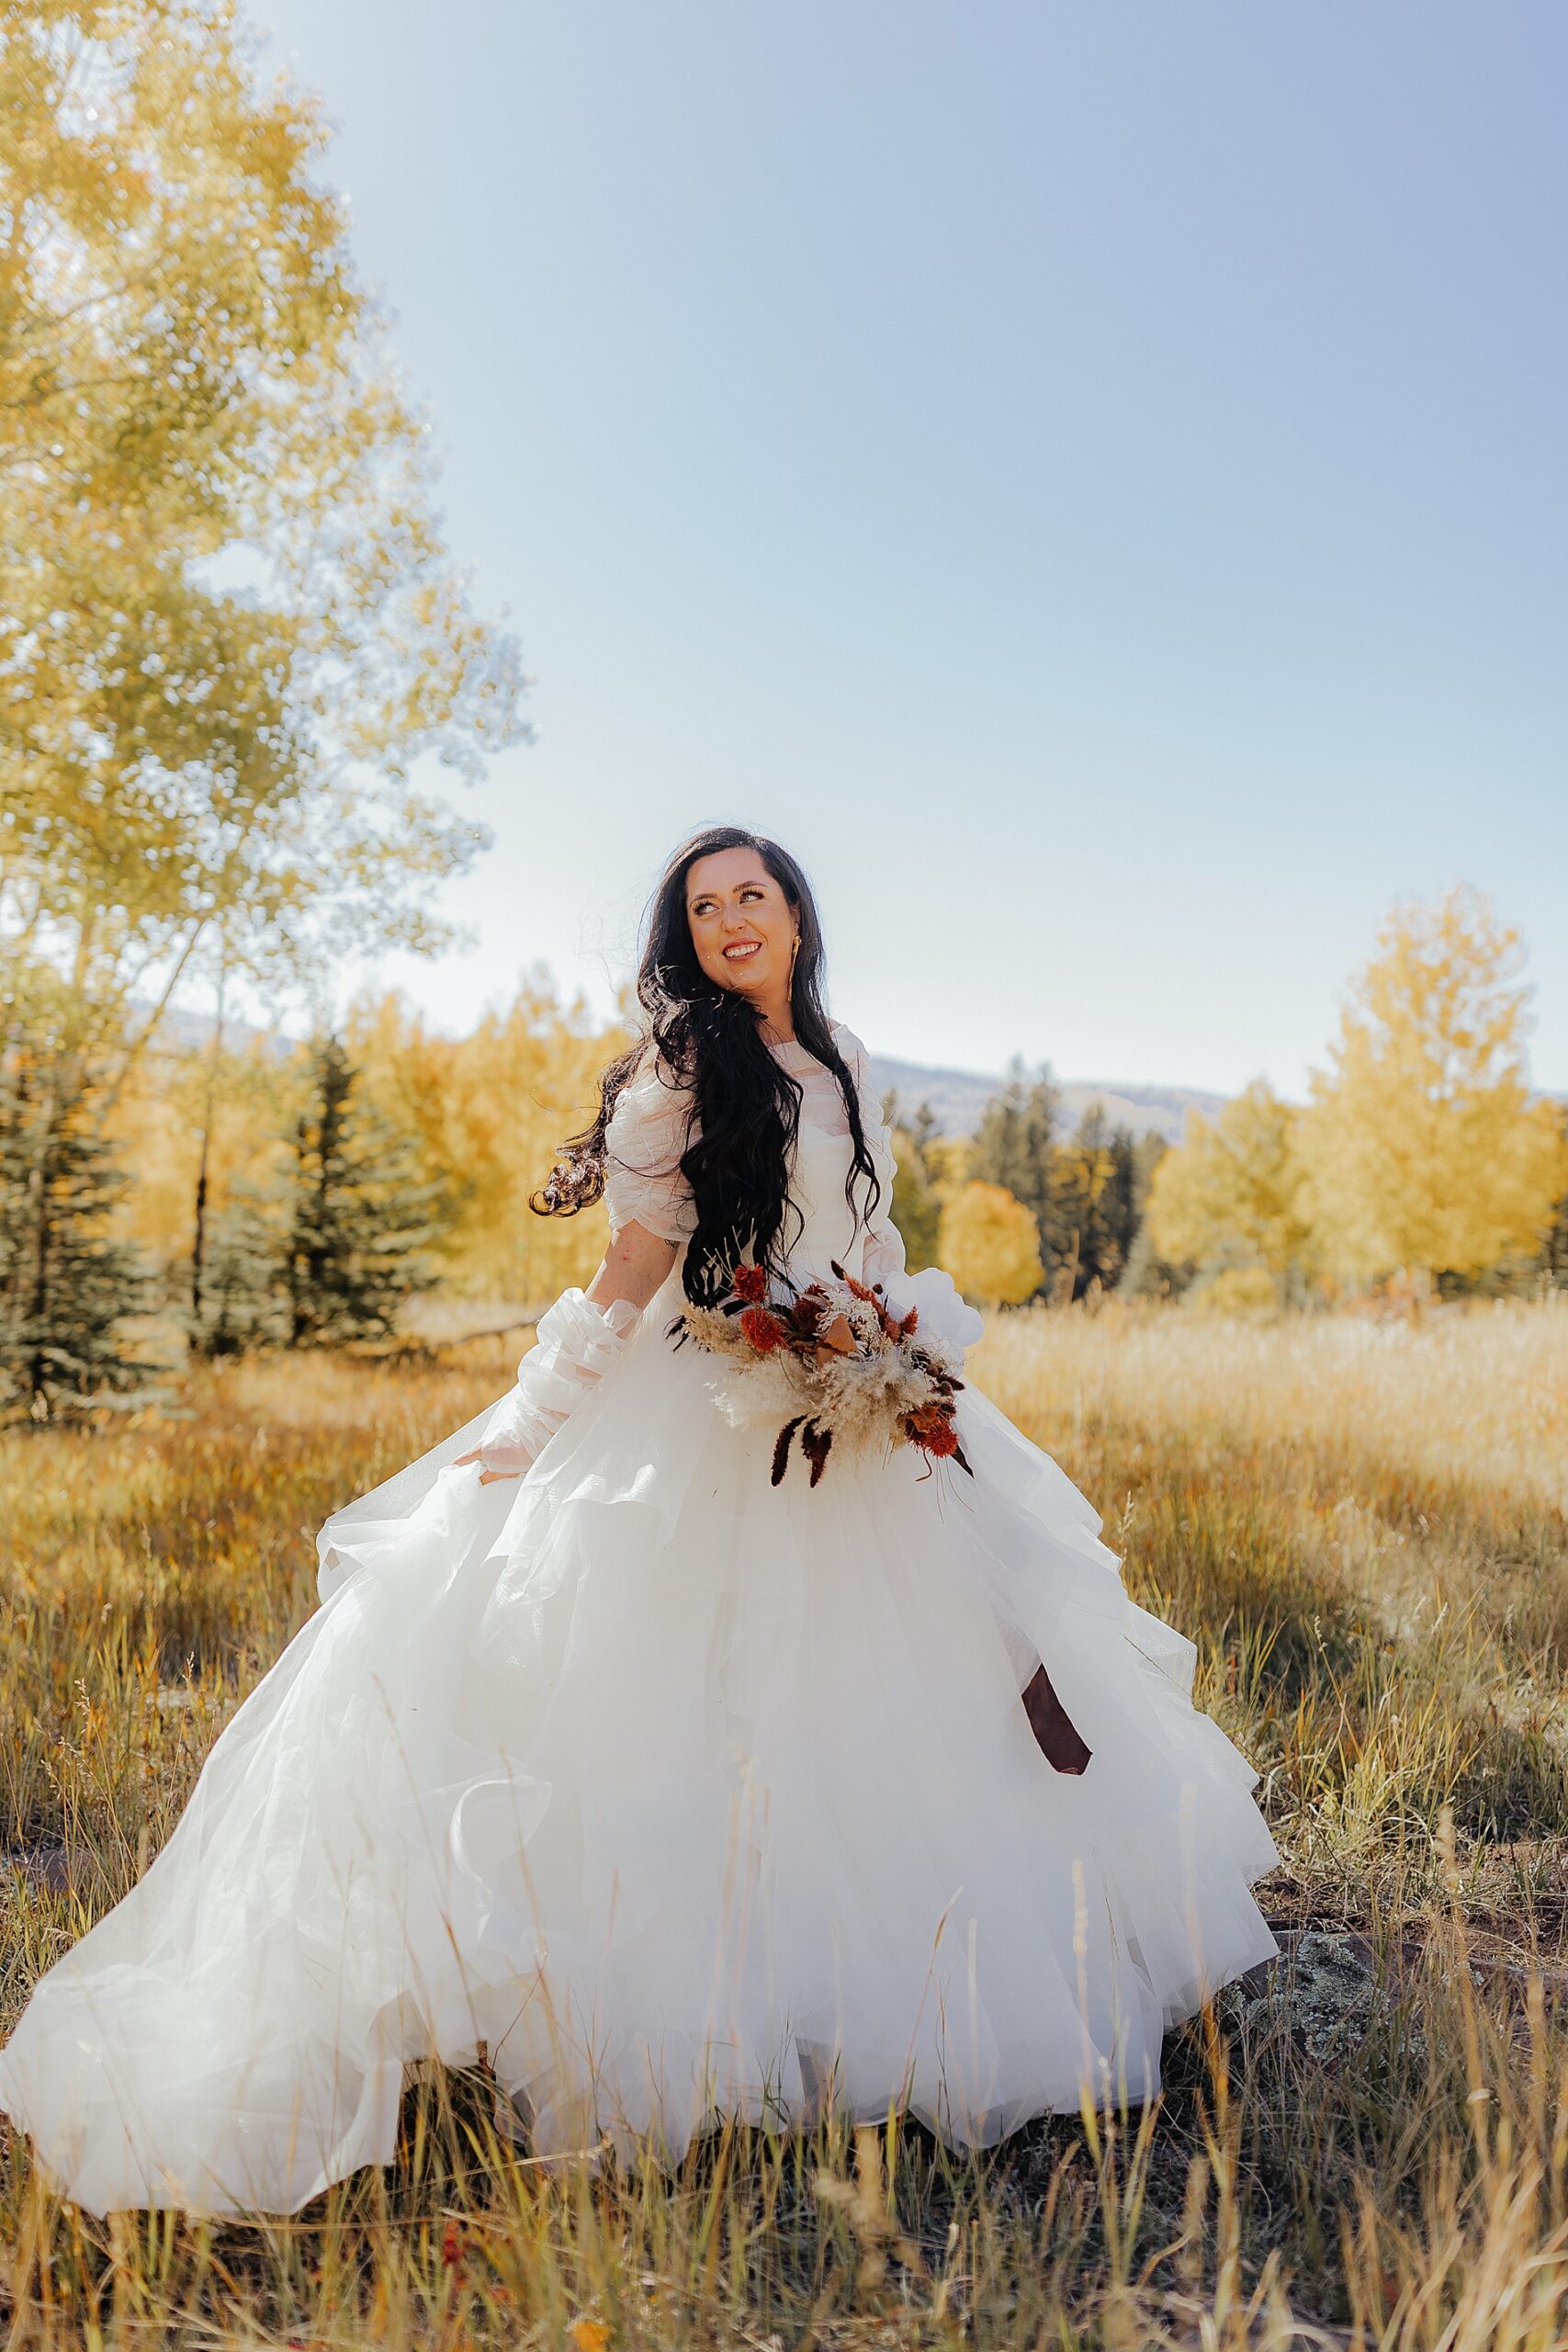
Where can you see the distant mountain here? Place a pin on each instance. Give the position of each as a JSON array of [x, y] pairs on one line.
[[958, 1096]]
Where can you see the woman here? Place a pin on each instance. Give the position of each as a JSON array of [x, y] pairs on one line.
[[671, 1774]]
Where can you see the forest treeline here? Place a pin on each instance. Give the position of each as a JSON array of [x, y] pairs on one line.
[[234, 651], [248, 1192], [1423, 1161]]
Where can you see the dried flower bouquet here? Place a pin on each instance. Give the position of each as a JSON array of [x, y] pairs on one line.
[[833, 1364]]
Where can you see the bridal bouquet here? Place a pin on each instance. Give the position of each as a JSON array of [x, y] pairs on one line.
[[835, 1364]]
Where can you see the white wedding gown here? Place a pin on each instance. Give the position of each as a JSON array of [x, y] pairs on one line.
[[681, 1792]]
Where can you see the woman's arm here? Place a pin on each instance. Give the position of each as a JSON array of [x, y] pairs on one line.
[[636, 1264], [575, 1345]]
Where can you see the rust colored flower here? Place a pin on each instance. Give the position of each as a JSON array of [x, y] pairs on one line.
[[819, 1329], [763, 1330]]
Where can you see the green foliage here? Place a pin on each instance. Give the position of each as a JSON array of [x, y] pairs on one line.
[[360, 1217], [1095, 1189], [1014, 1147], [244, 1301], [1084, 1193], [916, 1208], [1554, 1258], [67, 1281]]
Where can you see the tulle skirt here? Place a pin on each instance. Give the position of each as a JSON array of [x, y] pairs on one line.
[[679, 1794]]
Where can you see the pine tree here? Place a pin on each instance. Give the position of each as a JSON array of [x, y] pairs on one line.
[[1121, 1213], [1094, 1186], [1014, 1147], [915, 1208], [1553, 1258], [360, 1215], [67, 1280], [923, 1131], [244, 1298]]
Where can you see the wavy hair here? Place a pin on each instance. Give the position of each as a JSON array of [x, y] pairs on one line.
[[745, 1110]]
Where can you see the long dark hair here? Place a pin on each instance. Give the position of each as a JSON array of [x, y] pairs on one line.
[[745, 1109]]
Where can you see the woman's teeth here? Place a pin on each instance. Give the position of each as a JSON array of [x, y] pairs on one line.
[[740, 951]]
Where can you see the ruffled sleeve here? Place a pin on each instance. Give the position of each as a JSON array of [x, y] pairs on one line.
[[643, 1141]]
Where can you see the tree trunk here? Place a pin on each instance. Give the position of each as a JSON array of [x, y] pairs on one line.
[[198, 1234]]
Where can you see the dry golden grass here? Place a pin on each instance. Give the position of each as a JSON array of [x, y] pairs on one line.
[[1477, 1397], [1362, 1528]]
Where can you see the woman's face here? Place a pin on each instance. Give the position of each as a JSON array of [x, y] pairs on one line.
[[743, 927]]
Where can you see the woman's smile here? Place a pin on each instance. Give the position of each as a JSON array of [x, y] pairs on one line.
[[744, 930]]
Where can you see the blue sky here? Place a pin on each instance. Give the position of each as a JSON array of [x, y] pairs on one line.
[[1089, 478]]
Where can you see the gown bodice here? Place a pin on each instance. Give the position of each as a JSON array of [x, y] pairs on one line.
[[830, 1229], [647, 1136]]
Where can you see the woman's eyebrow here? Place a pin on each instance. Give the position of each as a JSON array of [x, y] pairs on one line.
[[753, 882]]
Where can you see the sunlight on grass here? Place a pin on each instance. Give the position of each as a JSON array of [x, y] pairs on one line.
[[1362, 1528]]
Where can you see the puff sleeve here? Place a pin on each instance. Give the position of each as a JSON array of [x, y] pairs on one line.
[[645, 1136], [575, 1345]]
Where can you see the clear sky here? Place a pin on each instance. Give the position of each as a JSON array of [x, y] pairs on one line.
[[1090, 479]]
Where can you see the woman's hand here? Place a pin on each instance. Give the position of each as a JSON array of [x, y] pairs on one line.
[[633, 1268], [487, 1477]]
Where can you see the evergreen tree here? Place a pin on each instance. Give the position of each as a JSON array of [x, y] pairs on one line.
[[67, 1280], [1095, 1181], [915, 1208], [1553, 1258], [1120, 1218], [923, 1131], [1014, 1147], [360, 1215], [244, 1301]]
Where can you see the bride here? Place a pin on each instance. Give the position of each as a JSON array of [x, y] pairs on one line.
[[672, 1783]]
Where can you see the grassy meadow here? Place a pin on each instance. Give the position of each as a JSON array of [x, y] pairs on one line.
[[1364, 1524]]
